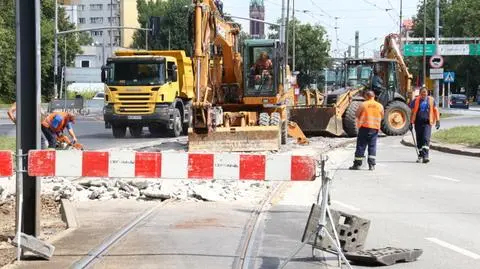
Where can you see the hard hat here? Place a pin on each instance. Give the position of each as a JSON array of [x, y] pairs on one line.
[[71, 117]]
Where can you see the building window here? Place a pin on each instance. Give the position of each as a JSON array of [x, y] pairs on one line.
[[85, 63], [97, 33], [81, 20], [112, 6], [96, 6], [81, 7], [113, 19], [96, 20]]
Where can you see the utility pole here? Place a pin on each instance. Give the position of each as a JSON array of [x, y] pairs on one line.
[[282, 41], [437, 51], [400, 25], [293, 39], [349, 51], [55, 57], [111, 24], [357, 45], [424, 68], [286, 33]]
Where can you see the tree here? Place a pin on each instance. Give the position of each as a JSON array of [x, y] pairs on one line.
[[8, 40], [174, 26], [458, 19], [311, 45]]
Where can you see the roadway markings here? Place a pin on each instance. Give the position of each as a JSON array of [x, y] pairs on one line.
[[453, 247], [446, 178], [351, 207]]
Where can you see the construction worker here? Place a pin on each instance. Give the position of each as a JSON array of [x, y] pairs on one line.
[[55, 123], [424, 115], [12, 114], [369, 117]]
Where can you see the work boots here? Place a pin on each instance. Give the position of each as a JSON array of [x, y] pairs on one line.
[[354, 167], [371, 167]]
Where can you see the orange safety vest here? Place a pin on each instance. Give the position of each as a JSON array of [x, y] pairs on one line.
[[433, 111], [370, 115], [48, 120]]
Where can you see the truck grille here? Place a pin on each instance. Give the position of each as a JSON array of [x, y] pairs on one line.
[[134, 103]]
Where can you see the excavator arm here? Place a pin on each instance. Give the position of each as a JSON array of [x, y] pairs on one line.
[[391, 50]]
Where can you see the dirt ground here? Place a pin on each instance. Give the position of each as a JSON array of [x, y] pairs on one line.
[[50, 221]]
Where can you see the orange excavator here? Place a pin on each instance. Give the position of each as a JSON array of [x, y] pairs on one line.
[[240, 101]]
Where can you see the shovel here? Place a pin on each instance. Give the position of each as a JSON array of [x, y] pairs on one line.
[[415, 143]]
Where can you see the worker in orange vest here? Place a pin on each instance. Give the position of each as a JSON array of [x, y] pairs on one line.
[[55, 123], [424, 115], [369, 118]]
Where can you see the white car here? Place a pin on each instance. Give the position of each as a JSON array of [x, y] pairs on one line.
[[99, 96]]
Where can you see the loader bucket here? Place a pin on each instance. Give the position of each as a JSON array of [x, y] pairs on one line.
[[223, 139], [318, 120]]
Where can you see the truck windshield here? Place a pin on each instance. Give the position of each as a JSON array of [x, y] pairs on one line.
[[261, 75], [135, 73]]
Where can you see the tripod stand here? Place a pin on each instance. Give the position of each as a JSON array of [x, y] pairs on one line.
[[321, 230]]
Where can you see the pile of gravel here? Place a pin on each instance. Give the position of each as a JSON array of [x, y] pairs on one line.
[[162, 189]]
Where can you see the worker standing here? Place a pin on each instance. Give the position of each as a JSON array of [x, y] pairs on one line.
[[369, 117], [424, 115], [55, 123], [12, 114]]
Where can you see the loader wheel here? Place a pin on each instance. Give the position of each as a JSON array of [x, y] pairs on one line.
[[136, 130], [119, 131], [176, 131], [350, 120], [264, 119], [275, 119], [284, 132], [397, 117]]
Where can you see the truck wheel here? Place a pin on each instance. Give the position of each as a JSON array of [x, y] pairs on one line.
[[264, 119], [136, 130], [119, 131], [397, 117], [350, 119], [275, 119], [176, 131]]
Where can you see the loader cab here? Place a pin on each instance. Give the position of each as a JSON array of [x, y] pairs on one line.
[[261, 68]]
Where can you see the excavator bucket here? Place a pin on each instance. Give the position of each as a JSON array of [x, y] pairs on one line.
[[249, 138], [295, 132], [318, 120]]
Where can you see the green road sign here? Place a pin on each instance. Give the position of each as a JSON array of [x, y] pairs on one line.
[[417, 49], [474, 49]]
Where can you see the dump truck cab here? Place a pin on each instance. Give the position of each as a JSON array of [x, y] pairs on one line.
[[148, 89]]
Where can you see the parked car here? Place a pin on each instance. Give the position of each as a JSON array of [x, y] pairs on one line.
[[459, 101], [99, 96]]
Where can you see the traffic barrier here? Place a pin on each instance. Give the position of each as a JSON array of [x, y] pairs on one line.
[[171, 165], [6, 163]]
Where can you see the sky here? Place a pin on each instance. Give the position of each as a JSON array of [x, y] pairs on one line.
[[374, 19]]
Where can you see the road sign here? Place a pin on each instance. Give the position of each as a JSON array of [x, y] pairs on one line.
[[456, 49], [436, 73], [417, 49], [449, 77], [85, 75], [436, 61]]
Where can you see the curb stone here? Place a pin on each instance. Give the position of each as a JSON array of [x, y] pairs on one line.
[[406, 141]]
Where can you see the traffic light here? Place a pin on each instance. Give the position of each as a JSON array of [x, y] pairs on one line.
[[154, 24]]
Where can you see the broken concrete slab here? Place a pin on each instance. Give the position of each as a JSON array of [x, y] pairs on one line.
[[34, 245]]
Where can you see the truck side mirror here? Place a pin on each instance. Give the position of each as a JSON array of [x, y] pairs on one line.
[[174, 73], [104, 74]]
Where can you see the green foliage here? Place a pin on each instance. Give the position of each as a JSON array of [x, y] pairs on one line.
[[89, 94], [465, 135], [7, 143], [458, 19], [311, 45], [174, 25], [8, 41]]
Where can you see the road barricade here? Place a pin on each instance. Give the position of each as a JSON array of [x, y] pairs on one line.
[[171, 165], [6, 163]]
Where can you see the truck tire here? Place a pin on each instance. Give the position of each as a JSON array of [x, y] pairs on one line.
[[119, 131], [136, 130], [264, 119], [350, 119], [176, 130], [275, 119], [397, 118]]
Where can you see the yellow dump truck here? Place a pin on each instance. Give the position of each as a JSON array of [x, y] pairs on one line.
[[151, 89]]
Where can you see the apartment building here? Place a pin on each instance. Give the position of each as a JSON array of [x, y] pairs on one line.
[[104, 13]]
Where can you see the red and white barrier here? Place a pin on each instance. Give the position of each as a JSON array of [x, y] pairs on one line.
[[172, 165], [6, 163]]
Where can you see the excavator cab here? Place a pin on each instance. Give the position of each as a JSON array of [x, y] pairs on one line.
[[262, 71]]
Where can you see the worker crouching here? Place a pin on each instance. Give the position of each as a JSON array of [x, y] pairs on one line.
[[424, 115], [369, 117], [55, 123]]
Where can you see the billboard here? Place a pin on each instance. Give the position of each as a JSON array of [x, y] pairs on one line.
[[82, 74]]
